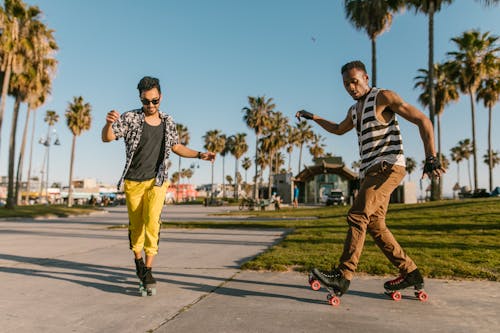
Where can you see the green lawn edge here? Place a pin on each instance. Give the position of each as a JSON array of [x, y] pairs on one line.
[[453, 239]]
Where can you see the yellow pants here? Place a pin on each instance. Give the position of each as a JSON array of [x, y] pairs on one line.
[[144, 204]]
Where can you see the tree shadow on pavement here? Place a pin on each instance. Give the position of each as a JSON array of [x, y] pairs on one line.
[[105, 278]]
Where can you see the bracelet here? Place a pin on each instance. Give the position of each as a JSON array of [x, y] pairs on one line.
[[199, 155]]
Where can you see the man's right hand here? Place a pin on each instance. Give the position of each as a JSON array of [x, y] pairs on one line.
[[304, 114], [112, 116]]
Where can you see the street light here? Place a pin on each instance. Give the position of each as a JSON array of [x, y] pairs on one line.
[[47, 143]]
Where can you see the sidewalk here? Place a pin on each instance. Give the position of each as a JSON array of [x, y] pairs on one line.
[[76, 275]]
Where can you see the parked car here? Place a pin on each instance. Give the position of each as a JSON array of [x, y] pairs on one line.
[[336, 197]]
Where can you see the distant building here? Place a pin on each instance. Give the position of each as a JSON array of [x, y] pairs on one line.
[[315, 182]]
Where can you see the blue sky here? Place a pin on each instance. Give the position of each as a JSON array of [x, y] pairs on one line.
[[211, 55]]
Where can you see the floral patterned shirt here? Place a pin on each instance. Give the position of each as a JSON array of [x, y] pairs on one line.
[[129, 127]]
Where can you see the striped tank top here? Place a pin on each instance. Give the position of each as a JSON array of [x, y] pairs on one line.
[[378, 141]]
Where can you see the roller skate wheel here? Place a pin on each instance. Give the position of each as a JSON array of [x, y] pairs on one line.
[[315, 285], [422, 296], [333, 300], [396, 296], [152, 292]]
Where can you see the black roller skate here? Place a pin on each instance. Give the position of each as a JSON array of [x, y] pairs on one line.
[[148, 285], [412, 279], [333, 281], [139, 268]]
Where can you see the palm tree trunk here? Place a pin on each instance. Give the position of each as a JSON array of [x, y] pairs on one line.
[[270, 185], [178, 181], [256, 166], [237, 187], [5, 89], [223, 178], [289, 161], [474, 148], [20, 161], [435, 185], [374, 61], [212, 186], [490, 150], [11, 199], [28, 182], [72, 160], [440, 180], [300, 158], [470, 177]]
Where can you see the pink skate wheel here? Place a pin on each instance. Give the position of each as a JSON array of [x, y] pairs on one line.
[[396, 296], [315, 285], [334, 301], [422, 296]]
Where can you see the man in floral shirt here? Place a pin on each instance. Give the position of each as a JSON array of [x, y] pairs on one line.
[[150, 135]]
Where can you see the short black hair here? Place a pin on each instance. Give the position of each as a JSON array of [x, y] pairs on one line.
[[148, 83], [353, 64]]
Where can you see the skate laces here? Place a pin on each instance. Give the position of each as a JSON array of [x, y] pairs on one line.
[[334, 273], [397, 280]]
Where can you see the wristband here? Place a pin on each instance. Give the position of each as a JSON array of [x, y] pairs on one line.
[[199, 155]]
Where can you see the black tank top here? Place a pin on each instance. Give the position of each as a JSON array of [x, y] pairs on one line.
[[149, 153]]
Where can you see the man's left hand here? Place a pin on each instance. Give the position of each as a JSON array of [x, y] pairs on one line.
[[432, 168]]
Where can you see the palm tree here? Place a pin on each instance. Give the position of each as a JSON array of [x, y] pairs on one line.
[[78, 119], [257, 118], [445, 91], [19, 43], [457, 157], [273, 140], [238, 147], [304, 135], [187, 173], [184, 138], [472, 64], [51, 118], [246, 164], [493, 158], [465, 151], [292, 141], [37, 90], [215, 143], [225, 150], [411, 165], [374, 17], [430, 7], [489, 92], [317, 146], [174, 178]]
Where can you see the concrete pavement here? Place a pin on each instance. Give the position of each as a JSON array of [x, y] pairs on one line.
[[76, 275]]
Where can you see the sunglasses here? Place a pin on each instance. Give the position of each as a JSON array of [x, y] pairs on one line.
[[147, 101]]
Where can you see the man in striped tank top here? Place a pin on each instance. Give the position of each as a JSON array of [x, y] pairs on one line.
[[382, 169]]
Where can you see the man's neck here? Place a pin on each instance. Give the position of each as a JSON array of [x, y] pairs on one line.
[[362, 98]]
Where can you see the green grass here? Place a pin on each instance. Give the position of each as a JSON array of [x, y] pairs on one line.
[[45, 210], [447, 239]]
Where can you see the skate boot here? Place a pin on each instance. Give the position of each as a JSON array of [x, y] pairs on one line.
[[334, 280], [148, 282], [139, 268], [412, 279]]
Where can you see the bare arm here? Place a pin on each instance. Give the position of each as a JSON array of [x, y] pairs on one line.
[[184, 151], [344, 126], [107, 134], [415, 116]]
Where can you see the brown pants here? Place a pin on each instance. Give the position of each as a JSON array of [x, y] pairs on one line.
[[368, 213]]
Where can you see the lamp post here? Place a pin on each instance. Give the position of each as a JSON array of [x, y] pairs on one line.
[[47, 142]]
